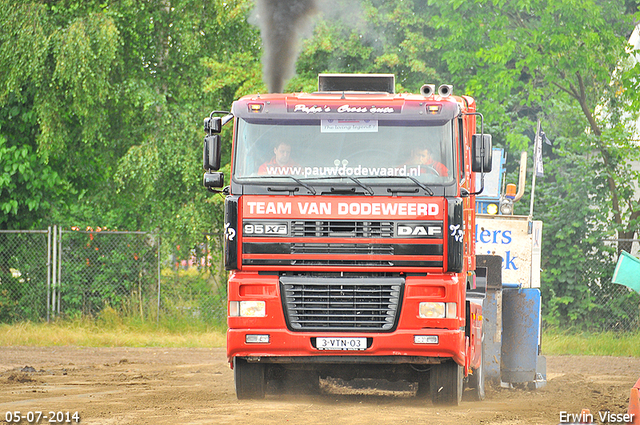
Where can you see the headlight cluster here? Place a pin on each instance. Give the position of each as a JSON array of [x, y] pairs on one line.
[[431, 310], [247, 309]]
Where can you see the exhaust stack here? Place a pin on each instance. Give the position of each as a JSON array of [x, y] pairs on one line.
[[445, 90], [427, 90]]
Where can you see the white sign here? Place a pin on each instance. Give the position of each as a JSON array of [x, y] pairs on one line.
[[349, 126], [510, 238]]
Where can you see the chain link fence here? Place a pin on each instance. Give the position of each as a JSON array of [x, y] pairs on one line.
[[194, 284], [24, 275], [58, 273], [106, 269], [69, 273], [615, 307]]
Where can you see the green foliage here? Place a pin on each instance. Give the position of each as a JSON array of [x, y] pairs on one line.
[[518, 58], [28, 185], [554, 60], [572, 258], [102, 106]]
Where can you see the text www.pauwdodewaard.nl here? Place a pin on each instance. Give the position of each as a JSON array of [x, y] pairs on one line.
[[343, 171]]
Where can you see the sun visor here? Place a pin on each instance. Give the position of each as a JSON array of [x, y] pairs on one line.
[[390, 108]]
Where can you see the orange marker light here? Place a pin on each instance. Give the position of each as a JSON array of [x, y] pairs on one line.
[[511, 191], [434, 109]]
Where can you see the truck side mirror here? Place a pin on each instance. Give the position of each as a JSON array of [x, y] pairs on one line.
[[481, 153], [213, 125], [213, 180], [211, 152]]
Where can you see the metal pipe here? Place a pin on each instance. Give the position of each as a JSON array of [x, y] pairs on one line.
[[535, 163], [48, 274], [54, 269], [522, 177], [158, 253], [59, 268]]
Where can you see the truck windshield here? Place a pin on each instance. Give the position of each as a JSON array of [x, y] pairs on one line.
[[316, 149]]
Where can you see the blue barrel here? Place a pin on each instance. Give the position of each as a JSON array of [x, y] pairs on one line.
[[521, 323]]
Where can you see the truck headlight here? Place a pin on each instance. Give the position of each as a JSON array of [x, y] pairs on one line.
[[247, 309], [431, 310]]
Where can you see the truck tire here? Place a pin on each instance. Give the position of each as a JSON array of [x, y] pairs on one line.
[[249, 379], [447, 381]]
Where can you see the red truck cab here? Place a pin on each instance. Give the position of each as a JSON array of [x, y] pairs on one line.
[[349, 228]]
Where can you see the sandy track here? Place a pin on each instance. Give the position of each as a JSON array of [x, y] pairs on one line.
[[195, 386]]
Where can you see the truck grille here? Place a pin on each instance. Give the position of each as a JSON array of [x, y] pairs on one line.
[[337, 228], [341, 304], [341, 248], [343, 243]]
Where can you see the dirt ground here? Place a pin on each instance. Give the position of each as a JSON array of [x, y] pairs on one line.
[[195, 386]]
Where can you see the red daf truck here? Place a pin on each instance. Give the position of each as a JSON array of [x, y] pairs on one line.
[[349, 227]]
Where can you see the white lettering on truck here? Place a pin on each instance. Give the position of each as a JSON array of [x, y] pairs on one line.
[[381, 208], [372, 209], [283, 208], [310, 208]]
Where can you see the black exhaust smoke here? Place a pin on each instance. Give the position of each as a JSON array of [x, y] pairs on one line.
[[282, 23]]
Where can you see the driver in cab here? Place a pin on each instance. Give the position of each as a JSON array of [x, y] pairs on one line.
[[423, 157], [280, 163]]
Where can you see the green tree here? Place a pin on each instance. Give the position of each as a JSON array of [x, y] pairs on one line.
[[554, 61], [102, 105], [101, 109]]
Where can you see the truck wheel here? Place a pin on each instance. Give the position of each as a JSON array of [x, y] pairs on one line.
[[249, 379], [447, 383]]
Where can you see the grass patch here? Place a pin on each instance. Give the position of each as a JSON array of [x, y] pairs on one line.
[[111, 330], [558, 342]]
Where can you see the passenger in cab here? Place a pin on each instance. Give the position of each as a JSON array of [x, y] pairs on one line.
[[424, 158]]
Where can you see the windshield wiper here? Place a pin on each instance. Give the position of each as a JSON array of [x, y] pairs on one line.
[[300, 182], [353, 179], [413, 179]]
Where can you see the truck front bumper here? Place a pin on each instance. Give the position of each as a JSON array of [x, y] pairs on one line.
[[396, 347]]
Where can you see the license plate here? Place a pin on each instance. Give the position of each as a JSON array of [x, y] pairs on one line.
[[341, 343]]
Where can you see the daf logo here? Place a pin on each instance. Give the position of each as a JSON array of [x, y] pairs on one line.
[[420, 230]]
